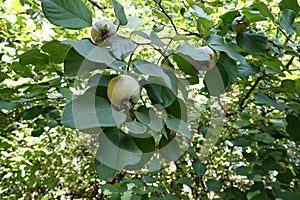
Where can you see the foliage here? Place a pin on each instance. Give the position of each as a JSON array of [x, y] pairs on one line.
[[227, 133]]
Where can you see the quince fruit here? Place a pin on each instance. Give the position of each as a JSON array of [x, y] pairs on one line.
[[103, 32], [122, 91], [239, 24]]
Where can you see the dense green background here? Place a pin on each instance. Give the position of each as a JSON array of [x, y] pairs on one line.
[[255, 157]]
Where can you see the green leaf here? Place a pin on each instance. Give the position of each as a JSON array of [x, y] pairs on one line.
[[178, 126], [255, 44], [289, 4], [184, 65], [76, 65], [178, 109], [38, 131], [200, 12], [228, 69], [213, 185], [264, 10], [7, 105], [242, 170], [32, 113], [119, 12], [149, 118], [91, 51], [57, 50], [214, 82], [156, 40], [151, 69], [285, 177], [34, 57], [229, 49], [287, 18], [88, 111], [242, 142], [262, 98], [111, 191], [247, 69], [24, 71], [292, 127], [136, 127], [198, 57], [169, 148], [103, 171], [199, 167], [72, 14], [3, 76], [122, 47], [160, 94], [117, 149]]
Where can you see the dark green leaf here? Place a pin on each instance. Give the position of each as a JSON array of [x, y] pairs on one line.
[[213, 185], [76, 65], [178, 109], [255, 44], [32, 112], [24, 71], [7, 105], [111, 191], [287, 18], [3, 76], [119, 12], [264, 10], [290, 4], [247, 69], [169, 148], [285, 177], [293, 127], [34, 57], [184, 65], [88, 111], [36, 132], [199, 167], [178, 126], [72, 14], [57, 50], [229, 49], [262, 98], [103, 171], [117, 149], [214, 82], [91, 51], [228, 69]]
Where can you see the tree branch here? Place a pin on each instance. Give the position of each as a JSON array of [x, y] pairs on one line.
[[96, 4], [167, 15], [242, 106]]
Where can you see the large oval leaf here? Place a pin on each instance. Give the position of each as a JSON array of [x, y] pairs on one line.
[[72, 14], [117, 149]]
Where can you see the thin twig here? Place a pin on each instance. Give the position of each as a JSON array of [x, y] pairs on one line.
[[96, 4], [242, 106], [167, 15]]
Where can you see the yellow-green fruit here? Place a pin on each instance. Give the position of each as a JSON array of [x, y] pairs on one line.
[[103, 32], [122, 91], [239, 24]]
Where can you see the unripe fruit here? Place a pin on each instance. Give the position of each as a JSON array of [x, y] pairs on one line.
[[122, 91], [239, 24], [103, 32]]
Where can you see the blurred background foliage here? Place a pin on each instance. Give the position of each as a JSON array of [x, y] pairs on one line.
[[257, 154]]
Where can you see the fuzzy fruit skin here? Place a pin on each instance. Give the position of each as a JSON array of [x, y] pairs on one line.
[[123, 90], [239, 24], [103, 32]]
